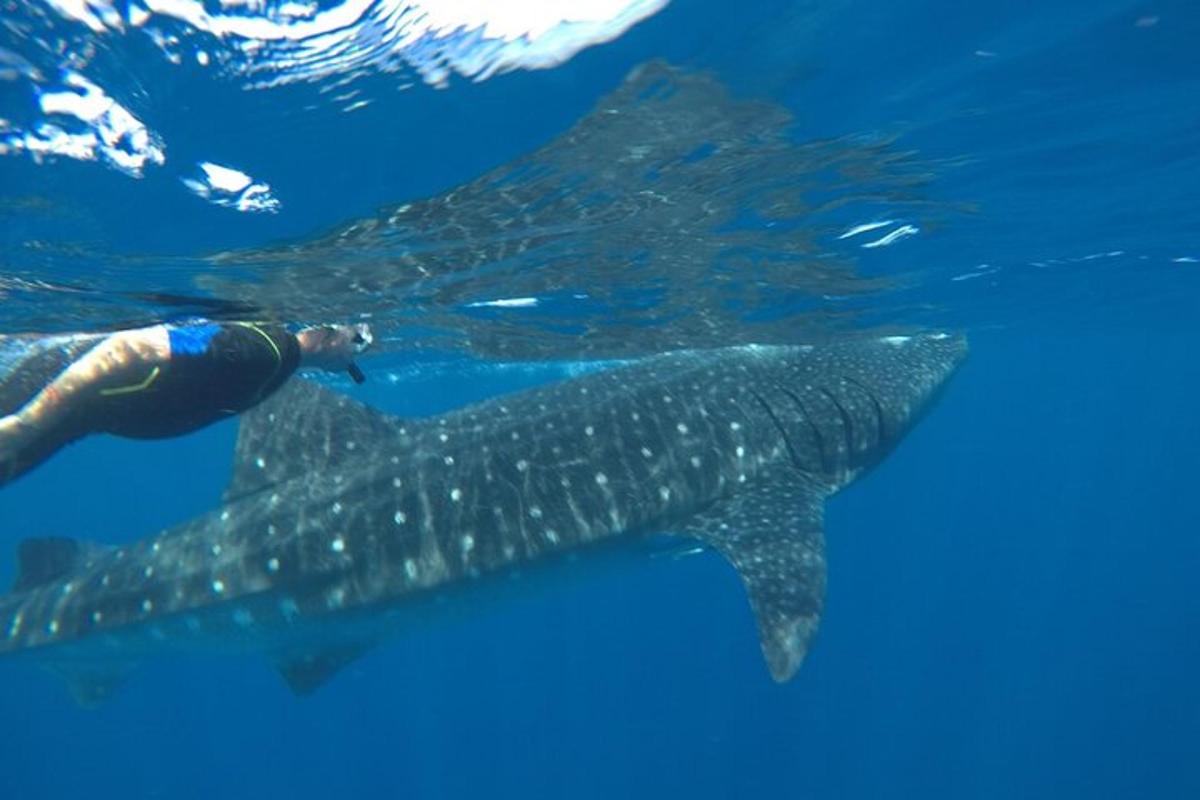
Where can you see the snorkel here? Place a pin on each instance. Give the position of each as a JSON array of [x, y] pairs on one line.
[[361, 339]]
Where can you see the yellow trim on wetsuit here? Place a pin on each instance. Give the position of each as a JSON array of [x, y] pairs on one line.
[[134, 387], [274, 347], [254, 327]]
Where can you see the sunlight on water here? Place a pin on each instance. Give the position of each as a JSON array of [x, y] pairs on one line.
[[673, 215], [263, 44]]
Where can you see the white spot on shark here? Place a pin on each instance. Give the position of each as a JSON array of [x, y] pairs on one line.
[[338, 545], [272, 565], [218, 586]]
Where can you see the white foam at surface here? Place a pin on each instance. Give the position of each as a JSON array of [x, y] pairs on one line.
[[866, 227], [271, 42], [301, 41], [509, 302], [99, 127], [902, 232], [231, 188]]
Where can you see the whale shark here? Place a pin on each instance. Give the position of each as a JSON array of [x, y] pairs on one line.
[[340, 523]]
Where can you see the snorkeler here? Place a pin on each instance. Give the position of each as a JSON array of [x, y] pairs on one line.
[[164, 380]]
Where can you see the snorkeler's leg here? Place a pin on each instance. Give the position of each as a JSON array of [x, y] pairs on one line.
[[34, 432], [124, 359], [16, 460]]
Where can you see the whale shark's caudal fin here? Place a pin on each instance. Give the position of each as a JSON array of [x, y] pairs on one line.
[[303, 429], [772, 535]]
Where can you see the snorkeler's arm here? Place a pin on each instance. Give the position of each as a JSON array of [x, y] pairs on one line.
[[122, 362]]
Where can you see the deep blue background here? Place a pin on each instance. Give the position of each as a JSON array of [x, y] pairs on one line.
[[1013, 605]]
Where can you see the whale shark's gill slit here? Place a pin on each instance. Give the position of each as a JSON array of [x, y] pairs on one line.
[[816, 432], [880, 427], [787, 442], [847, 424]]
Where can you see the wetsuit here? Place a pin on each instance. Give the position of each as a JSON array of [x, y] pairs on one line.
[[216, 370]]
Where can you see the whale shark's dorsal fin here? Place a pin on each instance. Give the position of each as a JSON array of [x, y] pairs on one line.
[[303, 429], [772, 534]]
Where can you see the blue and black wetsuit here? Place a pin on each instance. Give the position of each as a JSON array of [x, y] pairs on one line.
[[217, 369]]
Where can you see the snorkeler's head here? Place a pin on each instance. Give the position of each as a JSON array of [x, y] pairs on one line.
[[333, 347]]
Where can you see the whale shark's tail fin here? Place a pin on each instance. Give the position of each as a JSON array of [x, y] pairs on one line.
[[772, 534]]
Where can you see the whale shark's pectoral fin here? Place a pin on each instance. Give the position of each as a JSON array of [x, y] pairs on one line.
[[92, 685], [772, 535], [307, 672]]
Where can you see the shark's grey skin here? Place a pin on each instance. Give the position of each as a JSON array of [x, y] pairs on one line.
[[338, 516]]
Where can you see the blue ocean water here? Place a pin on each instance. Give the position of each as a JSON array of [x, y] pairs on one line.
[[1012, 605]]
